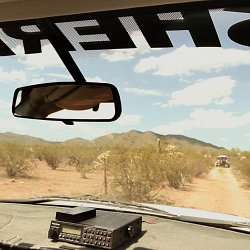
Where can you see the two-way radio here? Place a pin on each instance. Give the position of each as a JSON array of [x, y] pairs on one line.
[[88, 227]]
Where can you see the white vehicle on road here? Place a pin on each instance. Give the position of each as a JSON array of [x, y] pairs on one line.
[[222, 161]]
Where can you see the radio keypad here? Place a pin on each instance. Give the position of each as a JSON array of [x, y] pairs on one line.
[[90, 236], [95, 236]]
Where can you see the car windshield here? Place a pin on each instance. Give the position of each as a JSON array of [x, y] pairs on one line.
[[183, 81]]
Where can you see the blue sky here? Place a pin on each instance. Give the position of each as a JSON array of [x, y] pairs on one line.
[[198, 92]]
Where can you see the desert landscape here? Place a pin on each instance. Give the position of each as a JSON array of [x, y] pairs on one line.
[[166, 171]]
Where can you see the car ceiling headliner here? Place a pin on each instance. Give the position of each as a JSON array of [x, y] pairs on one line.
[[30, 9]]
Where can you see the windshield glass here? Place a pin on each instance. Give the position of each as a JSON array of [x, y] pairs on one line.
[[183, 81]]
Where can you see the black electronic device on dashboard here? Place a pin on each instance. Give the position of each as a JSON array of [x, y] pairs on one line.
[[100, 229]]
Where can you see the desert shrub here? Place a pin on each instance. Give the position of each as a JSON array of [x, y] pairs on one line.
[[196, 164], [180, 165], [52, 154], [81, 158], [38, 152], [135, 173], [242, 163], [173, 169], [16, 160]]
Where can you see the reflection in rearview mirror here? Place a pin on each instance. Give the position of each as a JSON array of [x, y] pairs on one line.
[[68, 101]]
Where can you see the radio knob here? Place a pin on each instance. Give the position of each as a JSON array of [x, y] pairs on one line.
[[131, 231], [53, 234]]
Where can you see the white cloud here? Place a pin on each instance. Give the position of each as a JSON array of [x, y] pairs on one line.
[[138, 91], [187, 60], [95, 79], [60, 76], [225, 100], [16, 76], [120, 55], [128, 54], [47, 59], [128, 119], [205, 119], [38, 80], [203, 92]]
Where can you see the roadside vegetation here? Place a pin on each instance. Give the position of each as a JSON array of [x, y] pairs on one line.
[[241, 162], [128, 173]]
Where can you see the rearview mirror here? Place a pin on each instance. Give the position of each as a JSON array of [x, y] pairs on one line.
[[68, 102]]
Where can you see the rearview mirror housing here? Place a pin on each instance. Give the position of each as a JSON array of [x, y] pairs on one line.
[[68, 102]]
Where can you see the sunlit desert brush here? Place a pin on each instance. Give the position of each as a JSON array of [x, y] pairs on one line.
[[128, 173], [16, 160]]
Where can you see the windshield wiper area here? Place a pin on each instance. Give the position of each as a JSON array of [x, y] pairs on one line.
[[93, 200]]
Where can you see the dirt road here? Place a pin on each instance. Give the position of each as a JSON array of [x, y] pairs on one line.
[[220, 191]]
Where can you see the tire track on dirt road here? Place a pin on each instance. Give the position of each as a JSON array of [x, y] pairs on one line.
[[220, 191]]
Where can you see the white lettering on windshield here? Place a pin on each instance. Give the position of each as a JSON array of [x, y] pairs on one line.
[[199, 24]]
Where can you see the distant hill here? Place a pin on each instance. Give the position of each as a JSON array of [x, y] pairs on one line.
[[187, 141], [132, 138], [135, 138], [9, 137]]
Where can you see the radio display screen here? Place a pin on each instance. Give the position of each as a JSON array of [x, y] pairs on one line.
[[71, 230]]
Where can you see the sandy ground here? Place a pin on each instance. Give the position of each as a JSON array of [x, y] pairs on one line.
[[220, 191], [45, 182]]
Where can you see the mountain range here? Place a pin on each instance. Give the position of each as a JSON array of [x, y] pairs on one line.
[[132, 138]]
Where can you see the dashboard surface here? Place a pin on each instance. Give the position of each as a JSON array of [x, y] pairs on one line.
[[21, 223]]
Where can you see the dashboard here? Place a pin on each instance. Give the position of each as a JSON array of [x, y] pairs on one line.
[[29, 225]]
